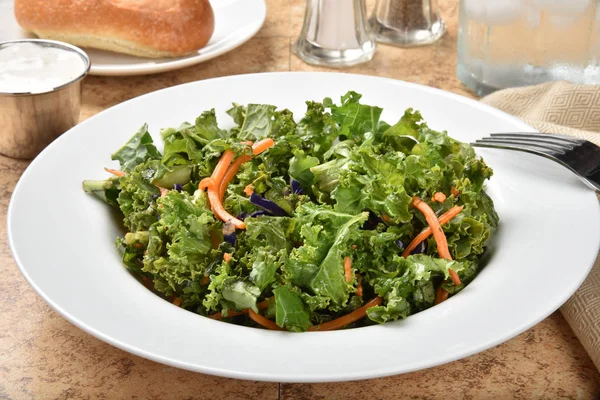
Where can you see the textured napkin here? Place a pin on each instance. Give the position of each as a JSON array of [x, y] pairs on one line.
[[561, 107]]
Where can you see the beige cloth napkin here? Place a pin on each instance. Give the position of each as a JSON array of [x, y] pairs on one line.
[[561, 107]]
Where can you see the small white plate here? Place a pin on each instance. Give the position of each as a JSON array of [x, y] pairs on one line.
[[62, 240], [236, 21]]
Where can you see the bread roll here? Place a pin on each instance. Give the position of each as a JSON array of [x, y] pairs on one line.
[[145, 28]]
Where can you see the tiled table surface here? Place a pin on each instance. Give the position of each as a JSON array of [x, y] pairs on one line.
[[44, 356]]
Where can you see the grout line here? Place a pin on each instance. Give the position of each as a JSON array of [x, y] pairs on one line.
[[279, 391]]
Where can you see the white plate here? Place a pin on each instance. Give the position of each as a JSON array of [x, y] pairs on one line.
[[236, 21], [62, 239]]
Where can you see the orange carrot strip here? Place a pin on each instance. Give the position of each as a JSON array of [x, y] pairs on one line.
[[115, 172], [342, 321], [444, 219], [231, 172], [359, 288], [230, 313], [348, 269], [385, 218], [219, 210], [221, 168], [233, 169], [353, 247], [435, 226], [177, 301], [267, 323], [219, 171], [439, 197], [440, 295], [248, 142], [454, 277], [205, 280], [163, 191], [227, 257], [454, 192], [261, 306], [249, 189], [147, 282], [204, 183], [262, 145]]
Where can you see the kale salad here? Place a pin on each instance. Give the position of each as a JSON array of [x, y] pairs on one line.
[[338, 220]]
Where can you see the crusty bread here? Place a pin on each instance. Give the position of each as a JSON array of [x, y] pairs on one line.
[[144, 28]]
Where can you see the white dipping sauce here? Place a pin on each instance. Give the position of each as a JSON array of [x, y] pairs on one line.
[[33, 68]]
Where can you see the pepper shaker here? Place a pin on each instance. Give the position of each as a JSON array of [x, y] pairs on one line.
[[335, 34], [407, 23]]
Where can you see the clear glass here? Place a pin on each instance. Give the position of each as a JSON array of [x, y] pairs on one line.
[[407, 23], [513, 43], [335, 34]]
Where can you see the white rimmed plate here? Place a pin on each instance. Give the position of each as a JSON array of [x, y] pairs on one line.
[[62, 240], [236, 21]]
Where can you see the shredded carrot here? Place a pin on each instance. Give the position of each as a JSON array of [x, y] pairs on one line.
[[177, 301], [439, 197], [163, 191], [348, 269], [434, 224], [147, 282], [262, 145], [248, 142], [385, 218], [438, 234], [454, 277], [261, 306], [353, 247], [231, 172], [444, 219], [205, 280], [220, 178], [204, 183], [219, 210], [359, 290], [249, 189], [267, 323], [454, 191], [227, 257], [354, 316], [440, 295], [233, 169], [115, 172], [219, 172]]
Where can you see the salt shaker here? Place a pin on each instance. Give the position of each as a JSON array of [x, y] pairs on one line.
[[407, 22], [335, 34]]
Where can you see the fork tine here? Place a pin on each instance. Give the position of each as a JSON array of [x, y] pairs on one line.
[[533, 140], [554, 146], [520, 145], [543, 136]]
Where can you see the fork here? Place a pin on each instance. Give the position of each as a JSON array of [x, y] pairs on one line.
[[580, 156]]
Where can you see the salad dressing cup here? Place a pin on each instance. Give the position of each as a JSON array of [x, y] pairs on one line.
[[40, 93]]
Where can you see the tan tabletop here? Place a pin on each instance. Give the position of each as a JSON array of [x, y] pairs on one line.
[[44, 356]]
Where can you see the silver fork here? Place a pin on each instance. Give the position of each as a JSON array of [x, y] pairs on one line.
[[579, 155]]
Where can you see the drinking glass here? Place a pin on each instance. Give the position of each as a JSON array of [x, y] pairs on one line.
[[512, 43]]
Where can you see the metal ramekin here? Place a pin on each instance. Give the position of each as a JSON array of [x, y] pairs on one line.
[[31, 121]]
